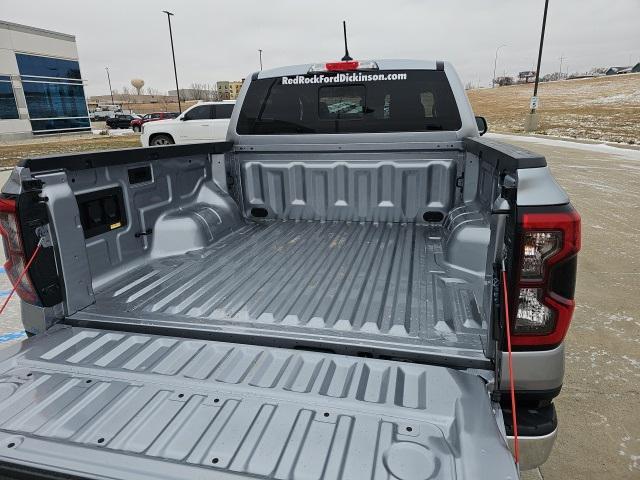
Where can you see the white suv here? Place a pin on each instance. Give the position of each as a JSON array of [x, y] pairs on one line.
[[204, 122]]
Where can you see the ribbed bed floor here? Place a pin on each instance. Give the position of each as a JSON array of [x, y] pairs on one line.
[[381, 287]]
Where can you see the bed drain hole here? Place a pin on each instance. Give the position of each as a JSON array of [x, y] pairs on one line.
[[215, 460], [11, 445], [29, 374], [87, 381], [181, 395], [432, 216], [409, 429], [101, 440], [326, 414], [216, 400], [259, 212]]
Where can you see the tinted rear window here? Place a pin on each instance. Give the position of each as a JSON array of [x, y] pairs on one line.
[[201, 112], [224, 111], [389, 101]]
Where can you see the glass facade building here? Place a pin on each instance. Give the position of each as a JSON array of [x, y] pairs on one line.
[[8, 107], [54, 93]]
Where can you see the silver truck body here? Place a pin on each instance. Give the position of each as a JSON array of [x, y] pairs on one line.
[[281, 306]]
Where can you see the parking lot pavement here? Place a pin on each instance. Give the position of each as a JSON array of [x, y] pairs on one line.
[[598, 409], [599, 435]]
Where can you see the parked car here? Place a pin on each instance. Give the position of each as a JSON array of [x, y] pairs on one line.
[[103, 112], [203, 122], [136, 124], [318, 296], [121, 120]]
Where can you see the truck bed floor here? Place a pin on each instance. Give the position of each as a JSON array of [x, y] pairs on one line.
[[372, 288]]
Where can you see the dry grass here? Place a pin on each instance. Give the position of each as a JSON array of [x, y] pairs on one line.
[[603, 108], [12, 152], [157, 107]]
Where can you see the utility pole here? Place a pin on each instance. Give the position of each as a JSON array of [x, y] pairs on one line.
[[260, 52], [562, 57], [110, 91], [495, 64], [531, 123], [173, 54]]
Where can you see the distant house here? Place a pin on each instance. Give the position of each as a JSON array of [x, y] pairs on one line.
[[617, 70], [503, 81], [527, 76]]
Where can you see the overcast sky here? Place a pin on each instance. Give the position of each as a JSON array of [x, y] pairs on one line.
[[219, 40]]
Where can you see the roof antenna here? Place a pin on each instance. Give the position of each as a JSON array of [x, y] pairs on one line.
[[346, 57]]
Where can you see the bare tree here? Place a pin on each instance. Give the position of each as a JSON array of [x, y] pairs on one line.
[[128, 97], [152, 91], [198, 91]]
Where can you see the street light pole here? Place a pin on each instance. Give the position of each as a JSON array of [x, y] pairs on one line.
[[495, 64], [260, 51], [531, 123], [173, 54], [544, 24], [109, 79]]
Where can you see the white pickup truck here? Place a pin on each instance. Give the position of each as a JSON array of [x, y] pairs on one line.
[[318, 297], [203, 122]]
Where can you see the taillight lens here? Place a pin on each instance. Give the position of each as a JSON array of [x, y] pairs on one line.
[[548, 244], [537, 248], [14, 250]]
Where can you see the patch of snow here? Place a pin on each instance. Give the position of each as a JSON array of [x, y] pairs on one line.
[[626, 153], [620, 98], [112, 132], [121, 131]]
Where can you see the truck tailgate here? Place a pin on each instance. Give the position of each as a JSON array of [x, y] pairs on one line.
[[108, 404]]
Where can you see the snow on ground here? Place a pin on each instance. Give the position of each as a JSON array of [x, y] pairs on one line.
[[114, 132], [626, 153]]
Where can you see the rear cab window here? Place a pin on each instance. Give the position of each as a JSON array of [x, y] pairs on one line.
[[358, 102], [223, 110]]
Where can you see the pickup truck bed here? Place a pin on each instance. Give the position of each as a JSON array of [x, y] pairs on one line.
[[382, 286]]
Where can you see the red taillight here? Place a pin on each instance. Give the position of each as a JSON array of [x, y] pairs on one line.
[[548, 241], [14, 250], [342, 66]]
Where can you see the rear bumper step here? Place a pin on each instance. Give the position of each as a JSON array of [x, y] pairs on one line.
[[534, 451], [537, 429]]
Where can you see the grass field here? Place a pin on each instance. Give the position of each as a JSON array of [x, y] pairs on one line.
[[603, 108], [12, 152]]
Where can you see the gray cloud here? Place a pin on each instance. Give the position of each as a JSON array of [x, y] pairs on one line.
[[218, 40]]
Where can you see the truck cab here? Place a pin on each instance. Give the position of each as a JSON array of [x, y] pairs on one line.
[[329, 292]]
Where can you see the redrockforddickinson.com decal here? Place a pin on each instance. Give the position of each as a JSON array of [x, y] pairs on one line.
[[342, 78]]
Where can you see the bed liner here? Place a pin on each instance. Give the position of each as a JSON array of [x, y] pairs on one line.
[[372, 287]]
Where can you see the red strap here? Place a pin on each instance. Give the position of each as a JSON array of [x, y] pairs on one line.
[[33, 257], [512, 389]]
